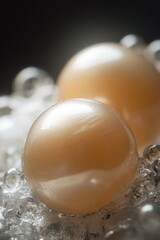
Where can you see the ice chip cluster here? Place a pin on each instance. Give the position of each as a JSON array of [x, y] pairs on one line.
[[23, 217]]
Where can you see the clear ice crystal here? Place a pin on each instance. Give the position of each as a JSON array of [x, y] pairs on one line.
[[13, 179], [152, 51], [149, 216], [152, 153], [134, 42], [28, 81], [156, 166], [29, 210], [23, 217]]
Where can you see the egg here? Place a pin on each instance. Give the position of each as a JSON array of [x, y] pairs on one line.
[[79, 156], [121, 78]]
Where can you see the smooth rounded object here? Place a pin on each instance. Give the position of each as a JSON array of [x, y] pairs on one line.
[[134, 42], [79, 156], [152, 52], [29, 79], [121, 78]]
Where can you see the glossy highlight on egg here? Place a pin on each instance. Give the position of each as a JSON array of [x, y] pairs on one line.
[[121, 78], [79, 156]]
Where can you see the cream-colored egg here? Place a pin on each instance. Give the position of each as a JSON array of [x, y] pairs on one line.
[[120, 78], [79, 156]]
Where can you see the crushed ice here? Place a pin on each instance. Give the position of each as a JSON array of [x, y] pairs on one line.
[[22, 217]]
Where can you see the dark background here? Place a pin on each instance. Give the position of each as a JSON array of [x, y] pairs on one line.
[[47, 33]]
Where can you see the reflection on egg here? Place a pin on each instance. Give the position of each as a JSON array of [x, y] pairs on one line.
[[120, 78], [79, 156]]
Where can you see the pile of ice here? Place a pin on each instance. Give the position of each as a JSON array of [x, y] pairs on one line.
[[23, 217]]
